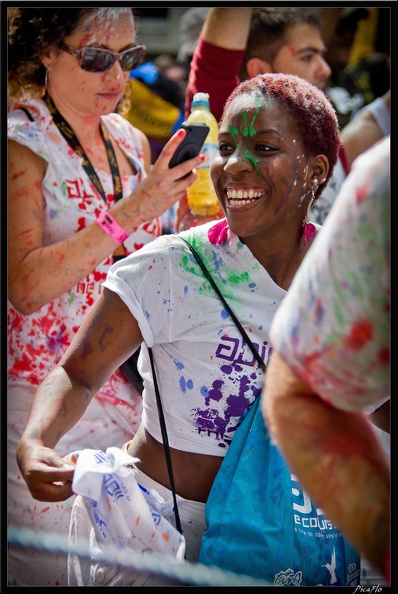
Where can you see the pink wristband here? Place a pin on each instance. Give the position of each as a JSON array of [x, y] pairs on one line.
[[112, 227]]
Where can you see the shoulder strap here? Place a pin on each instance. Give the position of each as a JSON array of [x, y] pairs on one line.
[[162, 421], [166, 445], [221, 296]]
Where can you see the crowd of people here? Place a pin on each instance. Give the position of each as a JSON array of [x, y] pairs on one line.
[[94, 273]]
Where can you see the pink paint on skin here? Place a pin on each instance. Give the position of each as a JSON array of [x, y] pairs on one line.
[[18, 174], [86, 39]]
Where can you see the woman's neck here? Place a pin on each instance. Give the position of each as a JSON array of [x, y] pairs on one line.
[[86, 126], [281, 259]]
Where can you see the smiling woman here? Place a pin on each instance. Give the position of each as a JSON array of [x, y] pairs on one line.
[[269, 168], [273, 165], [80, 196]]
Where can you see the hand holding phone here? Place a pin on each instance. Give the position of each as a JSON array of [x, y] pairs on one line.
[[191, 144]]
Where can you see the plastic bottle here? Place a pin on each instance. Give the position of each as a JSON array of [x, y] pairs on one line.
[[202, 199]]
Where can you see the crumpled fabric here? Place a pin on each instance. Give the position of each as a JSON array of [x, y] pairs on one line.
[[121, 511]]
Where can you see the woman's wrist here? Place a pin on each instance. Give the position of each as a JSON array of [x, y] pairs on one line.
[[109, 224]]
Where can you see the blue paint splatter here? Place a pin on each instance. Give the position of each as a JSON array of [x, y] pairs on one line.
[[185, 384], [224, 313]]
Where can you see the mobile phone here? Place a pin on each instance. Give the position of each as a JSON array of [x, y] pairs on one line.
[[192, 143]]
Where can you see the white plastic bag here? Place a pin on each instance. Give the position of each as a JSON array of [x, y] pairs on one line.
[[121, 511]]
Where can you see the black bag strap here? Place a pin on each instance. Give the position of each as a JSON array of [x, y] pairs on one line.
[[221, 296], [162, 421], [166, 445]]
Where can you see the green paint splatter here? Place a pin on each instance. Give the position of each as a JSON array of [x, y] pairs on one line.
[[187, 265], [236, 279], [234, 132], [247, 131], [252, 160], [226, 276], [252, 129]]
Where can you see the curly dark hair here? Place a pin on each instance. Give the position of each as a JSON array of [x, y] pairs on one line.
[[268, 30], [314, 117], [31, 32]]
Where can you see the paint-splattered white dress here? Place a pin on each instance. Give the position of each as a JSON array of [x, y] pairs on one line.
[[37, 341]]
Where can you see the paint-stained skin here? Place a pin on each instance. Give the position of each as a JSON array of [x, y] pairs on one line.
[[259, 151]]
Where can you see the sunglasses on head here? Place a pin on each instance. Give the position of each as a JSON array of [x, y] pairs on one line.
[[98, 59]]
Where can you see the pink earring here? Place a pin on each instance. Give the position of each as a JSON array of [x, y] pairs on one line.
[[308, 228]]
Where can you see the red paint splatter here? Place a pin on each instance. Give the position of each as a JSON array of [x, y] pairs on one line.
[[361, 194], [18, 174], [361, 333]]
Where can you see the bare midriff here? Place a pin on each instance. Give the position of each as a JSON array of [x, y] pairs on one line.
[[193, 473]]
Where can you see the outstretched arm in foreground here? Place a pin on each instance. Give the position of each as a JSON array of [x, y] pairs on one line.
[[335, 456], [107, 337]]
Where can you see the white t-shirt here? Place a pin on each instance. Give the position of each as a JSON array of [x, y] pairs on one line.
[[207, 375]]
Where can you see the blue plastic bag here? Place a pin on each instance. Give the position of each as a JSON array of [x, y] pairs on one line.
[[261, 523]]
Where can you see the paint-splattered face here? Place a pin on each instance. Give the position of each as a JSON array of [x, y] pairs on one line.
[[261, 175], [94, 93]]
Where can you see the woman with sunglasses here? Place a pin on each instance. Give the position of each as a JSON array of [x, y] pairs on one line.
[[79, 198]]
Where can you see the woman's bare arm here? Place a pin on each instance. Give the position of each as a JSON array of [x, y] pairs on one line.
[[108, 335], [336, 457], [38, 274]]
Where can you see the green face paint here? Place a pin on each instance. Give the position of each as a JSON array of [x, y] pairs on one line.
[[252, 131], [234, 132], [247, 131], [252, 160]]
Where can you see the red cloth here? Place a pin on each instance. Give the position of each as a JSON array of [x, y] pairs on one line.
[[214, 70]]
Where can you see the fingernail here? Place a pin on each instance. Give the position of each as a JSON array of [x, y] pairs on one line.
[[180, 133]]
